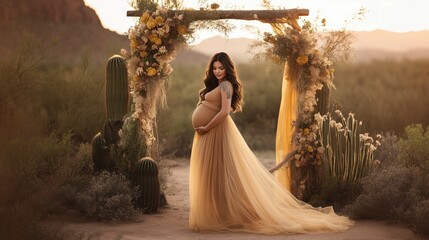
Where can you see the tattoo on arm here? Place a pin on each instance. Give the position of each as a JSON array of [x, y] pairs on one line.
[[226, 88]]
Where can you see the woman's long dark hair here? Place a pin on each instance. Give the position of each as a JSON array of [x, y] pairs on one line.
[[211, 82]]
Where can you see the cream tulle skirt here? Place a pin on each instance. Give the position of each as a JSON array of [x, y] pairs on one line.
[[230, 190]]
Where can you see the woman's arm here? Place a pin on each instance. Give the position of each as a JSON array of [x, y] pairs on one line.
[[226, 95]]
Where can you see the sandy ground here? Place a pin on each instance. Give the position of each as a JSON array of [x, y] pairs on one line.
[[171, 223]]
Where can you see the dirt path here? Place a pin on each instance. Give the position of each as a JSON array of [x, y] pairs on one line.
[[172, 222]]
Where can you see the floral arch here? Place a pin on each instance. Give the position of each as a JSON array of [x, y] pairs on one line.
[[308, 78]]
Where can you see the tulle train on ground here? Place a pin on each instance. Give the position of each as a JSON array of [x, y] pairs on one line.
[[230, 190]]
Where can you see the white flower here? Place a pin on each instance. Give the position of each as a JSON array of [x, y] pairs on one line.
[[180, 17], [162, 49], [140, 71], [135, 116], [332, 123], [360, 123], [124, 52], [338, 126], [318, 117]]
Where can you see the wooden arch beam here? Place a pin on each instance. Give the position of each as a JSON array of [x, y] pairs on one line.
[[260, 15]]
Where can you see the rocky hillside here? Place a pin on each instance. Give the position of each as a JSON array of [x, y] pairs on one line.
[[55, 11], [68, 29]]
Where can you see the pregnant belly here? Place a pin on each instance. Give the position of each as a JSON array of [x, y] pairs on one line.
[[202, 115]]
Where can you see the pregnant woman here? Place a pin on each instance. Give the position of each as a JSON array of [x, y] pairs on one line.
[[230, 190]]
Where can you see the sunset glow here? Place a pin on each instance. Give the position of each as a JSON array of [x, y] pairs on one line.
[[389, 15]]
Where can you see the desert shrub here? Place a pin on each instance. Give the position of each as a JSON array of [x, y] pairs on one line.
[[419, 216], [31, 175], [108, 197], [414, 147], [337, 193], [388, 152], [389, 193]]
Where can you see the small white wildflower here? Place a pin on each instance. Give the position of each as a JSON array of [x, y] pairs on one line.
[[338, 126], [162, 49], [140, 71], [360, 123], [318, 117], [124, 52], [180, 17]]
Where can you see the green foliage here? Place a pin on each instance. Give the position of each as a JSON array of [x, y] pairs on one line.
[[107, 198], [32, 173], [387, 95], [414, 147], [398, 189], [389, 194]]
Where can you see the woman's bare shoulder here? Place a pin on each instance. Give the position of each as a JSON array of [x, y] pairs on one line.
[[226, 87]]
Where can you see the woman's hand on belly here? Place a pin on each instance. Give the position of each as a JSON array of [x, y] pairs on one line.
[[201, 130]]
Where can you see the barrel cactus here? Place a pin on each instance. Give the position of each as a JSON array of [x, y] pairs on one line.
[[117, 94], [146, 178]]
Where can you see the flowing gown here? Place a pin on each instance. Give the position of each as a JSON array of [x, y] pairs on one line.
[[230, 190]]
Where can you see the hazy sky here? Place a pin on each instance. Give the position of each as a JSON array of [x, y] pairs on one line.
[[390, 15]]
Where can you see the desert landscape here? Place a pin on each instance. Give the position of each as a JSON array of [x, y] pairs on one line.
[[171, 222]]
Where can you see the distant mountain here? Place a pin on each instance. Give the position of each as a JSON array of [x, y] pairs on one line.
[[367, 46], [76, 31], [237, 48]]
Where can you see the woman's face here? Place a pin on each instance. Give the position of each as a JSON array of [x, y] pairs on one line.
[[219, 70]]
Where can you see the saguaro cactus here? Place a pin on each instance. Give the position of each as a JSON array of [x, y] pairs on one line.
[[146, 178], [116, 105], [100, 154], [322, 97], [116, 88]]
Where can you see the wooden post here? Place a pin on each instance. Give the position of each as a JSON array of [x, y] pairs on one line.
[[260, 15]]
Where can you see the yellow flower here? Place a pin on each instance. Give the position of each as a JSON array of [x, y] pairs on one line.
[[301, 60], [133, 44], [144, 17], [151, 71], [136, 78], [327, 72], [159, 20], [143, 54], [323, 22], [306, 131], [155, 39], [182, 29], [151, 23], [309, 149]]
